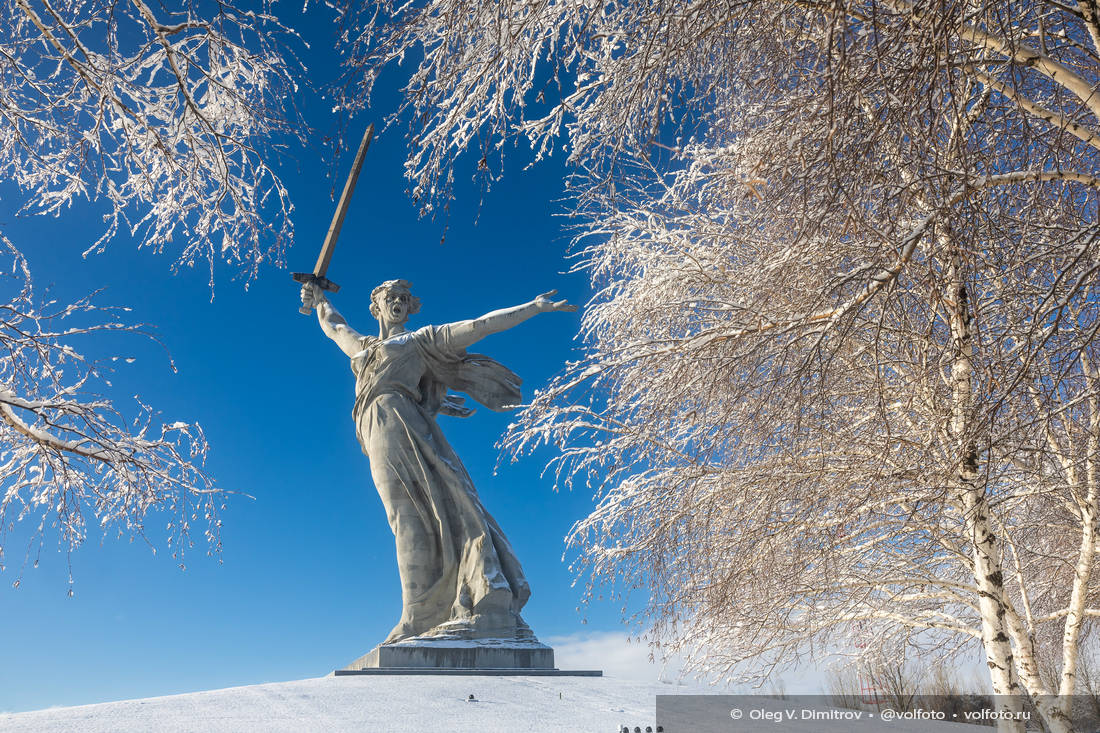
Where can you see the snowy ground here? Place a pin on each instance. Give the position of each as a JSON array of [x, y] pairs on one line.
[[426, 704]]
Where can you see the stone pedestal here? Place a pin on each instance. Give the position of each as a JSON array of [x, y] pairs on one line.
[[429, 654]]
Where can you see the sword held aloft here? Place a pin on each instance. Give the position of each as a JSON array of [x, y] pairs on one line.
[[317, 277]]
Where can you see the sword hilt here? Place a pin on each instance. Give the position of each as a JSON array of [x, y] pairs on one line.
[[319, 280]]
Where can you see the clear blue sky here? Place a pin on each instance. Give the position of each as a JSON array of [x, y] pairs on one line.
[[308, 580]]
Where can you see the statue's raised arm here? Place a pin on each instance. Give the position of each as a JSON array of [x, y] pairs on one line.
[[467, 333], [332, 323]]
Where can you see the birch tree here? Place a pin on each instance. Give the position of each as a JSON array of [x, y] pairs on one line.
[[164, 118], [839, 370]]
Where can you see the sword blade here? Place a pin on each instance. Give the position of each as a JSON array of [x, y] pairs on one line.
[[325, 257]]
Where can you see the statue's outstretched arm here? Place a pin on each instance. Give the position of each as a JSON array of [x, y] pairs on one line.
[[467, 333], [332, 323]]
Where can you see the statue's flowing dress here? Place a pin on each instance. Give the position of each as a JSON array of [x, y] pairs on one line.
[[459, 575]]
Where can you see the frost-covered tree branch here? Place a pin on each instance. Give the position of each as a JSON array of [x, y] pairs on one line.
[[166, 120], [167, 116], [68, 457]]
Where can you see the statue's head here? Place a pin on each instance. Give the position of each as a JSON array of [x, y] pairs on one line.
[[393, 301]]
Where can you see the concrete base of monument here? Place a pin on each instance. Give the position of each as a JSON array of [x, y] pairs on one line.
[[461, 656]]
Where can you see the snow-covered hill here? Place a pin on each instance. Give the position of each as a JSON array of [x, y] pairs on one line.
[[421, 704]]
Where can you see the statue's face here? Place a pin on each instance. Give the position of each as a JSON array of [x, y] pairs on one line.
[[393, 307]]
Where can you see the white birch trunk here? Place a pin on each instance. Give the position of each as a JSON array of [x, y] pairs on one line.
[[986, 556], [1055, 716], [1083, 571], [1076, 615]]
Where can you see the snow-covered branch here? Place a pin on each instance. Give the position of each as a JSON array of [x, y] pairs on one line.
[[68, 456], [168, 122]]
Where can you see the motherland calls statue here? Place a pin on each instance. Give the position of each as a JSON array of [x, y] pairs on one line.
[[460, 578]]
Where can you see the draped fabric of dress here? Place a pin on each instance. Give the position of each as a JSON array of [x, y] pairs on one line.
[[459, 575]]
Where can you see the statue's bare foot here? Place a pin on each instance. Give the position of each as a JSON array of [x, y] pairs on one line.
[[403, 630], [523, 631]]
